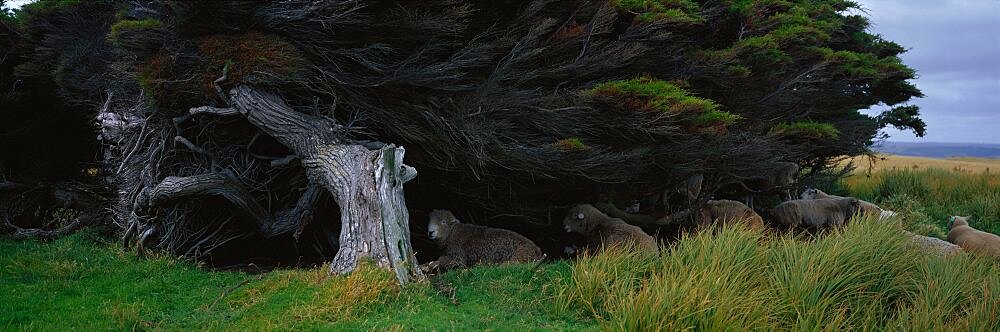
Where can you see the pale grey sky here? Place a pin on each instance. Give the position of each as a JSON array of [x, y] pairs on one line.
[[955, 48]]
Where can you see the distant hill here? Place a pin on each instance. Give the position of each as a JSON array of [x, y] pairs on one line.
[[939, 150]]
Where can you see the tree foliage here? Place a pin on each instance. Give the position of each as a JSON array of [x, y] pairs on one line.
[[506, 108]]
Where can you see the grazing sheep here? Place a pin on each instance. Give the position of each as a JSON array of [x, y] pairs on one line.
[[816, 213], [867, 207], [603, 230], [727, 211], [971, 239], [466, 245]]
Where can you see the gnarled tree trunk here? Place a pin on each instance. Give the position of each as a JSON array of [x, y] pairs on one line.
[[366, 184]]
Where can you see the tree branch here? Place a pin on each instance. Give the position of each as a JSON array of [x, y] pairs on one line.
[[18, 233], [174, 188], [220, 111]]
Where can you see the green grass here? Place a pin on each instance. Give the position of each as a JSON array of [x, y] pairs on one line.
[[863, 277], [927, 197], [78, 282]]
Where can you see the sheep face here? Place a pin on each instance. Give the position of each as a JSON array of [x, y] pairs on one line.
[[576, 220], [855, 206], [809, 193], [440, 224], [956, 221]]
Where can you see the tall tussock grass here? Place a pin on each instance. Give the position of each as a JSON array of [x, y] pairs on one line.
[[865, 276], [928, 197]]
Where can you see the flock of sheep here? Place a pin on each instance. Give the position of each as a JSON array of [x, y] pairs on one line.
[[466, 245]]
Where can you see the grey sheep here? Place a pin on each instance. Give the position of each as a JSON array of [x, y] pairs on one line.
[[602, 230], [466, 245], [816, 213]]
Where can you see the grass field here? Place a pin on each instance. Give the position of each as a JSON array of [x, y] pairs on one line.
[[928, 194], [863, 277], [894, 162]]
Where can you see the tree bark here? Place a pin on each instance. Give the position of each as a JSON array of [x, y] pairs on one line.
[[174, 188], [366, 184]]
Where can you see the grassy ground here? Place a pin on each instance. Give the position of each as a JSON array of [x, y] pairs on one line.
[[863, 277], [927, 197], [78, 282], [894, 162]]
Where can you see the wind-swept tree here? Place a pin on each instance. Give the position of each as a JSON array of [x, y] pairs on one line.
[[234, 119]]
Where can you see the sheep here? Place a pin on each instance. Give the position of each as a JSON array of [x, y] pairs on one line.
[[466, 245], [602, 230], [933, 244], [816, 213], [867, 207], [781, 177], [727, 211], [971, 239]]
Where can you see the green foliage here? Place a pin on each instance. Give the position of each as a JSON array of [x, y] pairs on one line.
[[673, 11], [248, 58], [570, 144], [653, 95], [779, 42], [659, 95], [806, 129], [6, 14], [133, 26], [126, 25], [716, 117], [904, 117], [41, 6]]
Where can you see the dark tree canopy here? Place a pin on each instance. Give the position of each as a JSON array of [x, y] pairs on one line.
[[505, 108]]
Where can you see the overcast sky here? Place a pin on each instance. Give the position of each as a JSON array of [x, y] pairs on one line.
[[955, 48]]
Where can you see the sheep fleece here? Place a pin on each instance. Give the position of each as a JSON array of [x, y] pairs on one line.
[[973, 240], [815, 213], [469, 245], [727, 211], [600, 229]]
